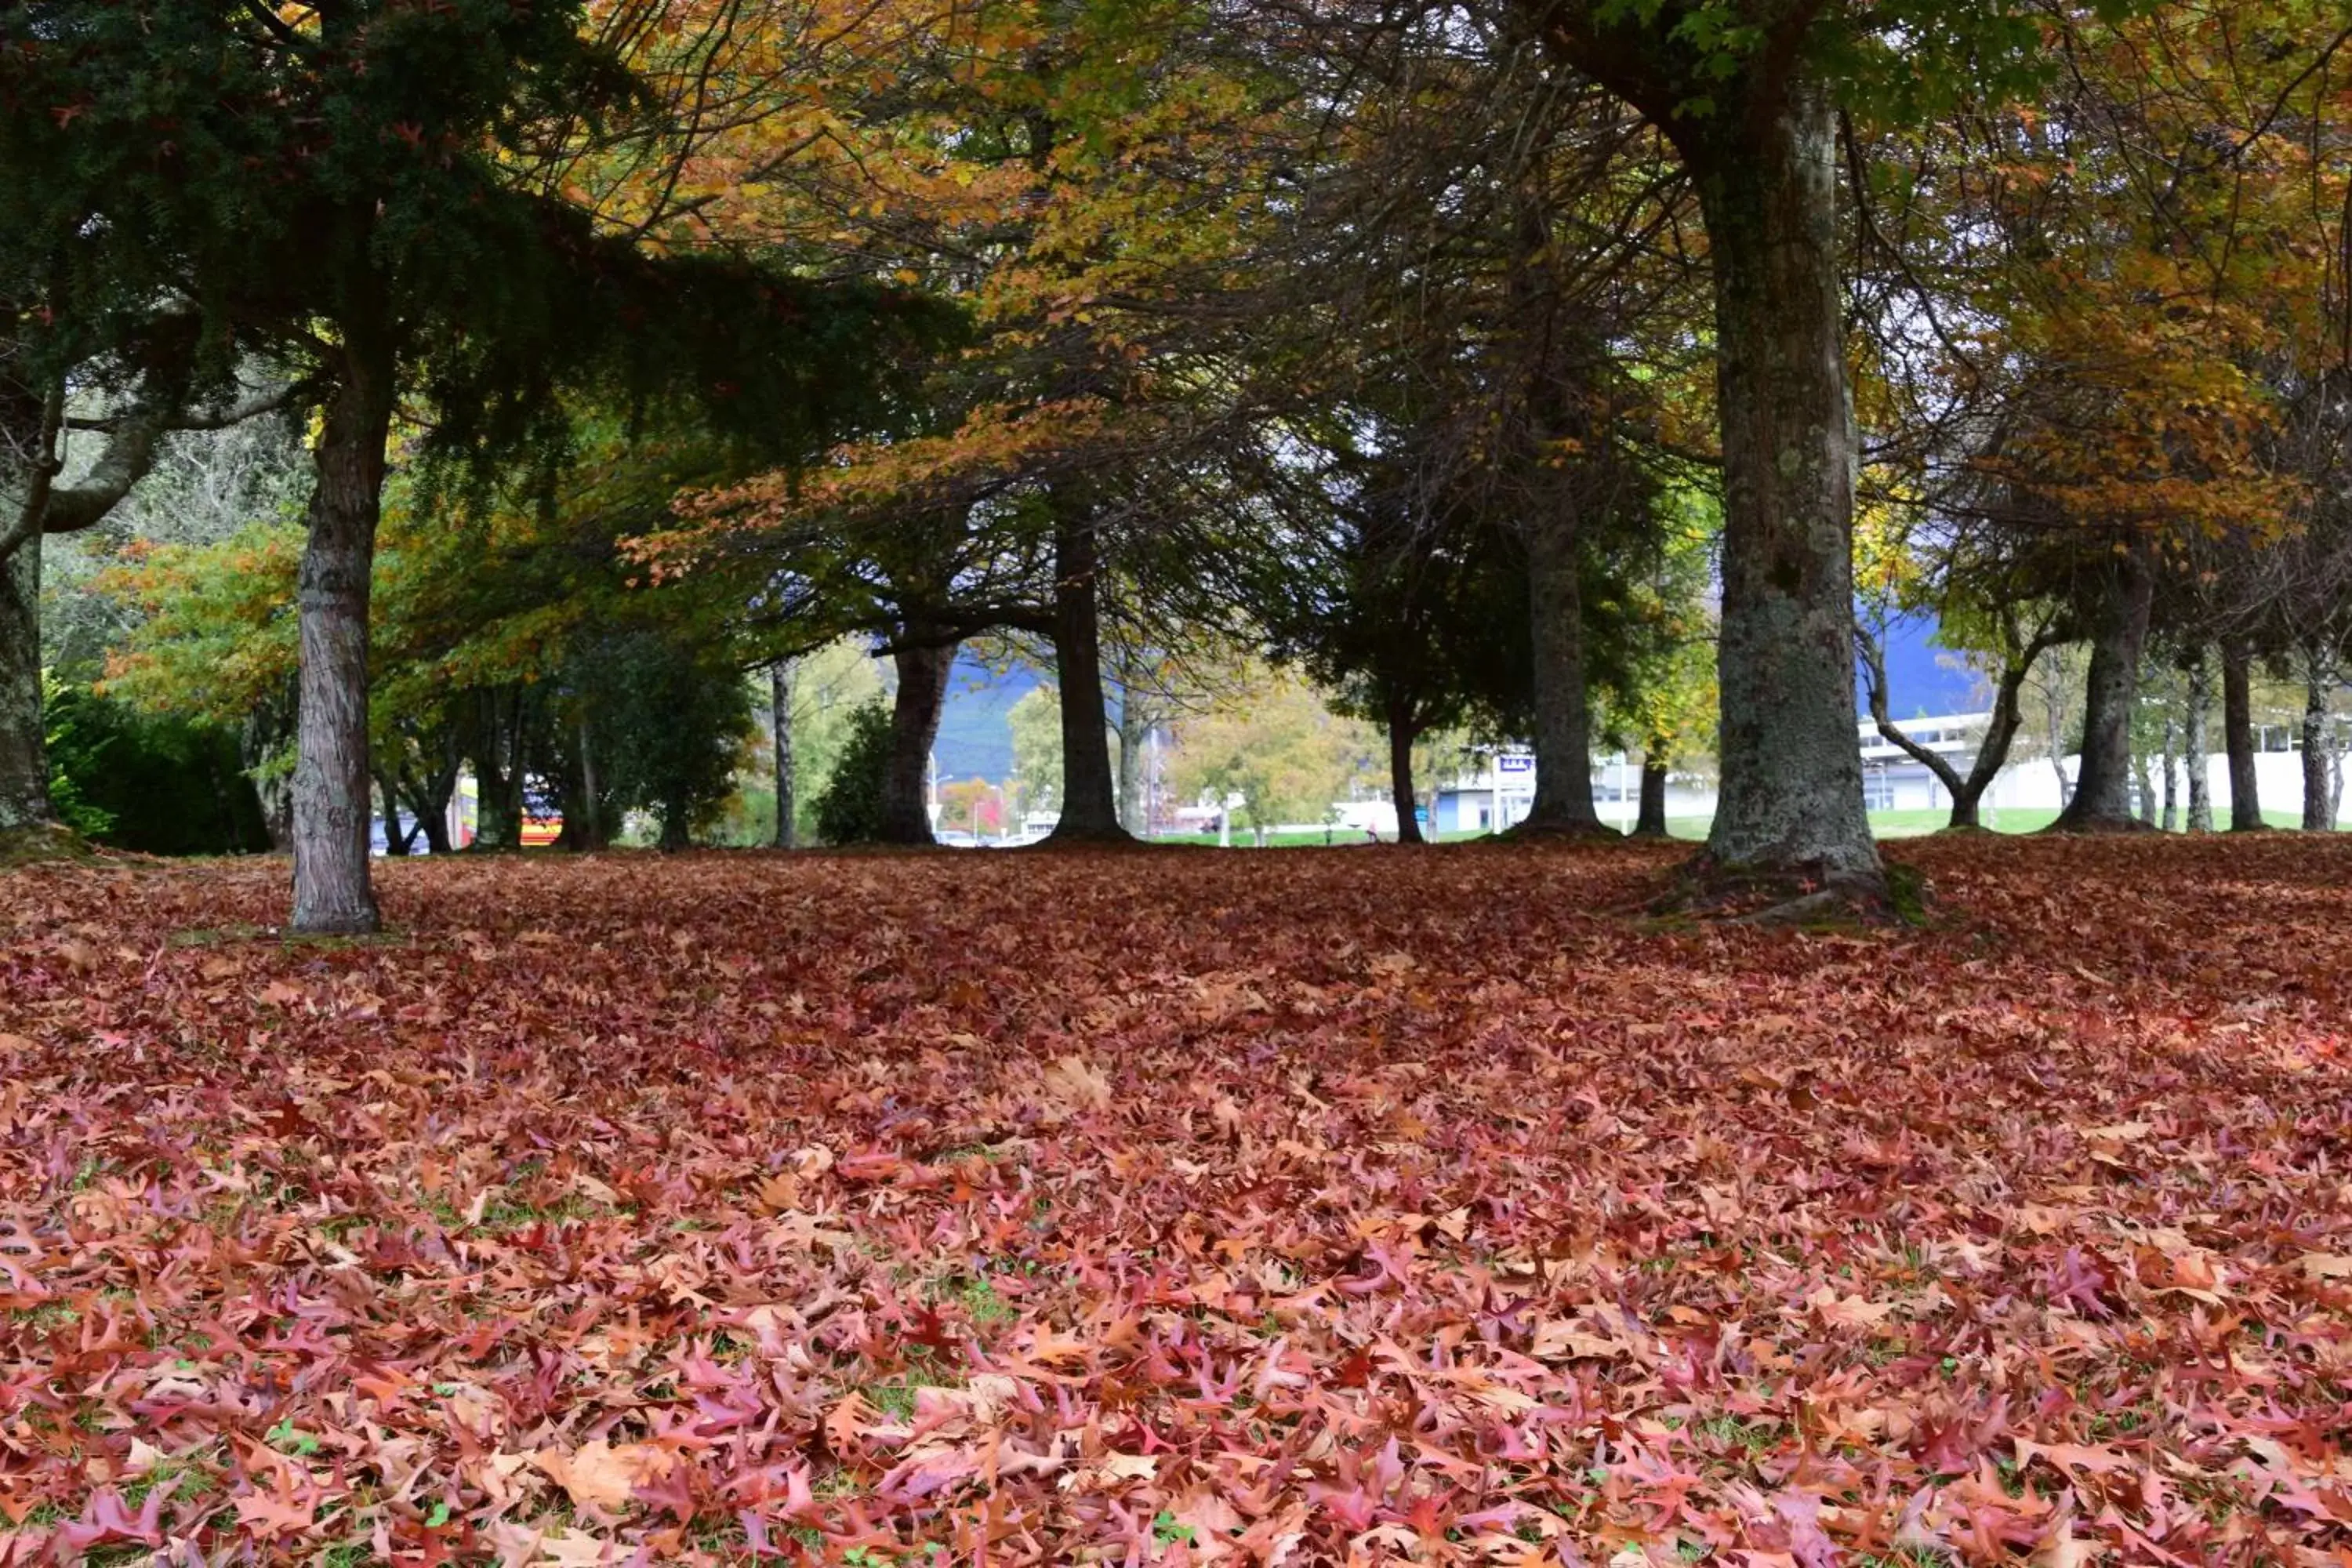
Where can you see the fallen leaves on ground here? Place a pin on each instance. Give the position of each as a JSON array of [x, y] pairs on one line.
[[1279, 1208]]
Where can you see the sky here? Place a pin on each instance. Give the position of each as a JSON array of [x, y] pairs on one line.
[[976, 740]]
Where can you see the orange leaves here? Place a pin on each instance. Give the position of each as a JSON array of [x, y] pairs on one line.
[[603, 1476]]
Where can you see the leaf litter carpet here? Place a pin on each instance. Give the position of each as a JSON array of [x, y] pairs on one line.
[[1293, 1208]]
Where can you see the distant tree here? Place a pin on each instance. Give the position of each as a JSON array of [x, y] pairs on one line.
[[849, 807], [157, 784], [1416, 624], [1278, 745], [671, 724], [1035, 721]]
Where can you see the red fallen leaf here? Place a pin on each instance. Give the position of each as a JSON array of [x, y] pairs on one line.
[[105, 1519], [930, 1330]]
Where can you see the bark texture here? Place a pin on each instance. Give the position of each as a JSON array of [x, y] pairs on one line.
[[1651, 820], [1790, 803], [1562, 729], [331, 891], [2103, 781], [2318, 741], [914, 725], [1400, 787], [2200, 702], [780, 699], [24, 755], [1089, 787], [2238, 737]]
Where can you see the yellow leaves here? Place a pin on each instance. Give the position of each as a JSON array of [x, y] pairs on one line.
[[1557, 1340], [1075, 1084], [601, 1475], [1848, 1311]]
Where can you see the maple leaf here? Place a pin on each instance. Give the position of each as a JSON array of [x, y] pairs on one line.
[[1249, 1250]]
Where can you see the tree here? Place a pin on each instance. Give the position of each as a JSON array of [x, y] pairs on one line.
[[1035, 721], [355, 193], [1416, 624], [1750, 92], [779, 730], [149, 382], [1278, 745], [849, 807], [830, 687], [673, 721]]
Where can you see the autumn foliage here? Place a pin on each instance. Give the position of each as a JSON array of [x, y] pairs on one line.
[[1355, 1206]]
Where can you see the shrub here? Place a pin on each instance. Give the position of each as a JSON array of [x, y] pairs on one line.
[[849, 807]]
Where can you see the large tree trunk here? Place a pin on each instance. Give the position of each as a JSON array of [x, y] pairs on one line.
[[1089, 793], [331, 893], [2238, 736], [1562, 717], [24, 756], [1553, 450], [780, 700], [1401, 735], [914, 725], [2103, 782], [2200, 700], [498, 781], [1790, 808], [1651, 821], [584, 827], [2318, 741]]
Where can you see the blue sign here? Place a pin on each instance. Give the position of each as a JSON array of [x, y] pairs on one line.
[[1510, 764]]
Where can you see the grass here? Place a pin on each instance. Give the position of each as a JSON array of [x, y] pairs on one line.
[[1693, 829]]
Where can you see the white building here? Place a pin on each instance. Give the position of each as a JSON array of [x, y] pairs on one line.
[[1499, 791]]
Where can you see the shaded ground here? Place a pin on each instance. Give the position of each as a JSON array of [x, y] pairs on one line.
[[1303, 1208]]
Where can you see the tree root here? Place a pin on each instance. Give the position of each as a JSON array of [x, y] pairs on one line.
[[44, 842], [1091, 838], [1538, 830], [1705, 888], [2119, 826]]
